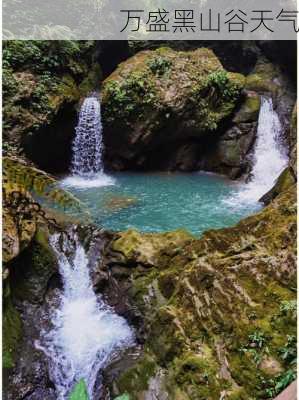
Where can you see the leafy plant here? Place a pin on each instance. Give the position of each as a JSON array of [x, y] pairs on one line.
[[159, 65], [256, 346], [221, 86], [289, 351], [279, 383], [9, 83], [127, 95], [288, 307], [257, 338], [79, 392]]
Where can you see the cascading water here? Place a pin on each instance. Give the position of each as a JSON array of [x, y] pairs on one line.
[[88, 143], [86, 333], [269, 158], [87, 161]]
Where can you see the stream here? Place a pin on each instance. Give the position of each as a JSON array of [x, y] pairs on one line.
[[86, 333]]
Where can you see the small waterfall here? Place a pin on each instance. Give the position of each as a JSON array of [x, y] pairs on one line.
[[86, 333], [269, 158], [87, 161], [88, 142]]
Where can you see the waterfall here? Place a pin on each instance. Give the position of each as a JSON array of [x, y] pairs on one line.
[[88, 142], [86, 333], [87, 160], [269, 156]]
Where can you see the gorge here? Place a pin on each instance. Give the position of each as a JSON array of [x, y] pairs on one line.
[[182, 284]]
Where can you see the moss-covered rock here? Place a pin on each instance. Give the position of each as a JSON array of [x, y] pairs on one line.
[[135, 247], [262, 79], [250, 109], [230, 154], [162, 96], [12, 329], [293, 141], [285, 180], [42, 80], [23, 185], [217, 310]]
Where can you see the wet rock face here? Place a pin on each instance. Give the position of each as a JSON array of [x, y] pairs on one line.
[[215, 311], [165, 99], [230, 154], [30, 285], [267, 79]]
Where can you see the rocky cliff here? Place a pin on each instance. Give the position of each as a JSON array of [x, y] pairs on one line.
[[218, 314]]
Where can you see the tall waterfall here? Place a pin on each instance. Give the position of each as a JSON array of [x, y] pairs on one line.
[[88, 142], [86, 332], [270, 156]]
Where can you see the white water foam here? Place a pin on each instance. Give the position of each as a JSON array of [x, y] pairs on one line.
[[269, 158], [86, 332], [87, 162], [97, 180]]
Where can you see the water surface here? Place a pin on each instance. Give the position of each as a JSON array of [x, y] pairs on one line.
[[158, 202]]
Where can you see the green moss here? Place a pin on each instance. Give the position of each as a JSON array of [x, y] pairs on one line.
[[12, 331], [239, 394], [123, 397], [19, 177], [152, 85], [260, 84], [136, 379], [285, 180], [250, 109], [35, 268], [226, 322], [190, 367]]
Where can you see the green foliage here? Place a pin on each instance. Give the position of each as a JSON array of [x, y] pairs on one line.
[[159, 65], [79, 392], [41, 55], [288, 307], [9, 83], [33, 74], [289, 351], [222, 87], [19, 53], [279, 383], [257, 338], [256, 346], [124, 97]]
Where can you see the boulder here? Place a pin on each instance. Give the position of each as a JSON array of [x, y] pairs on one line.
[[230, 154], [164, 98], [285, 180]]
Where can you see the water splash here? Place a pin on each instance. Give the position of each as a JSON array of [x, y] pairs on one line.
[[269, 157], [87, 162], [86, 333]]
